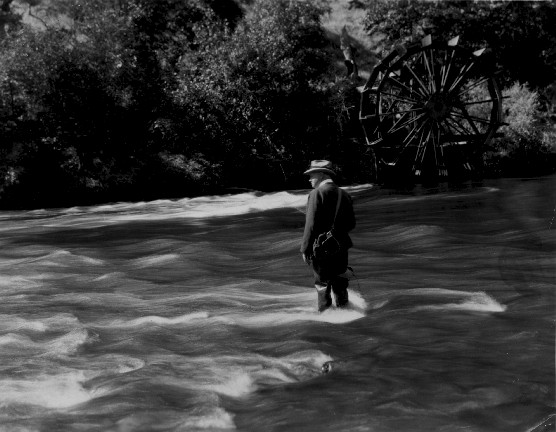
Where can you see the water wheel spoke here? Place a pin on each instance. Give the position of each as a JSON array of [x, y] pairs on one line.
[[425, 91], [438, 70], [419, 155], [439, 154], [437, 65], [443, 170], [455, 134], [414, 167], [447, 68], [450, 137], [391, 113], [429, 69], [461, 76], [455, 138], [453, 124], [461, 128], [421, 151], [388, 105], [472, 86], [470, 118], [402, 85], [403, 125], [401, 98], [478, 102], [407, 141], [434, 147], [397, 120]]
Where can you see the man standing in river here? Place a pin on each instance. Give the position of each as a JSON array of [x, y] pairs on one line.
[[328, 206]]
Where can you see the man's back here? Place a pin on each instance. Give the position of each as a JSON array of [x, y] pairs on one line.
[[321, 209]]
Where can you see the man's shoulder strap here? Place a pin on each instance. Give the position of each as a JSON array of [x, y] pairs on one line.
[[337, 206]]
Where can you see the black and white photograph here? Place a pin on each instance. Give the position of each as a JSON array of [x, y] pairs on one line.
[[277, 216]]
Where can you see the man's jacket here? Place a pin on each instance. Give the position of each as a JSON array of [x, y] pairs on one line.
[[321, 207]]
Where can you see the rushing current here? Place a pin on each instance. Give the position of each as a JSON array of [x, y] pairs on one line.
[[199, 315]]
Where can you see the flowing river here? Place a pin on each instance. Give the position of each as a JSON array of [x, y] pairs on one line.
[[199, 315]]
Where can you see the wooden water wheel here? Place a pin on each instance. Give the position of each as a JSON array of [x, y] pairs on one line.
[[427, 110]]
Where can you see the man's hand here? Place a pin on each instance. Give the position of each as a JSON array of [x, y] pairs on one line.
[[306, 259]]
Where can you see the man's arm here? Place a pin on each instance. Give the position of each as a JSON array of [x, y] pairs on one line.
[[308, 233], [350, 215]]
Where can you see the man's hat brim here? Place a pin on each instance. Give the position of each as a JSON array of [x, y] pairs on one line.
[[322, 170]]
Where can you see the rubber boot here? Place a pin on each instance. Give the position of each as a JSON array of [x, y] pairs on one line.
[[324, 299], [339, 286]]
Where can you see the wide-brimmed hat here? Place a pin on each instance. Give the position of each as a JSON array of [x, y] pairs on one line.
[[323, 166]]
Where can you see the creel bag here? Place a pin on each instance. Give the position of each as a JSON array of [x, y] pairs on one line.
[[326, 246]]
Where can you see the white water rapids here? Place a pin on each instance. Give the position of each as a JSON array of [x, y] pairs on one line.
[[198, 314]]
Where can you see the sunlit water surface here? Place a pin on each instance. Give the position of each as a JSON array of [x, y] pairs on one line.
[[199, 315]]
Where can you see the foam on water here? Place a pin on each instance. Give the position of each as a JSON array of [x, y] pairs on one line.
[[469, 301], [115, 363], [16, 340], [50, 391], [239, 293], [62, 257], [436, 195], [10, 323], [199, 208], [190, 208], [276, 309], [155, 260], [479, 303], [238, 384], [284, 296], [44, 257], [111, 276], [62, 387], [290, 313], [14, 344], [69, 343], [210, 418], [332, 316], [219, 419], [240, 376], [156, 320], [111, 364], [102, 299], [15, 283]]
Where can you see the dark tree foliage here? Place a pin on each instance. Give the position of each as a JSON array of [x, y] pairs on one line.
[[258, 93], [79, 100], [134, 99]]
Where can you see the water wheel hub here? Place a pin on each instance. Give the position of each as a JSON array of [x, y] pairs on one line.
[[437, 107]]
